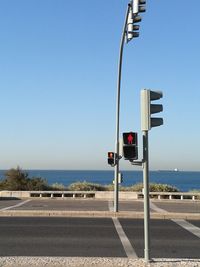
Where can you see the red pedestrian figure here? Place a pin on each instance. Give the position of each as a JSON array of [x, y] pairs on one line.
[[130, 139]]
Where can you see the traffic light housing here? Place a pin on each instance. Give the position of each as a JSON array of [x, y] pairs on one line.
[[132, 30], [136, 6], [139, 6], [130, 146], [112, 158], [147, 122]]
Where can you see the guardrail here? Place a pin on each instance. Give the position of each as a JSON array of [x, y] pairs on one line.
[[172, 195], [63, 194], [104, 195]]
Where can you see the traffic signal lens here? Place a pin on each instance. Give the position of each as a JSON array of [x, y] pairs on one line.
[[137, 19], [130, 152], [130, 138], [110, 155]]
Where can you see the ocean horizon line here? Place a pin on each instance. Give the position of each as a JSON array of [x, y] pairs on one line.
[[100, 170]]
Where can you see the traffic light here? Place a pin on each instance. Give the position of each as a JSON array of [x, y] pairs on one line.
[[131, 28], [130, 146], [139, 6], [147, 122], [111, 158], [136, 6]]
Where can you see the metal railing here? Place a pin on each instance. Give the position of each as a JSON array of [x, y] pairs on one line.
[[172, 195], [63, 194]]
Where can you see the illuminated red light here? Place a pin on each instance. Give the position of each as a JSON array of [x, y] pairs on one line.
[[110, 154], [130, 139]]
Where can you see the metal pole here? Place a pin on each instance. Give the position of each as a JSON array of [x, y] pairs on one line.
[[146, 196], [116, 170]]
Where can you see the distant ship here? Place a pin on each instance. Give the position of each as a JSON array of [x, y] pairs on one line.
[[174, 170]]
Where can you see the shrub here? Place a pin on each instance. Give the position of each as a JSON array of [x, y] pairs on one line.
[[85, 186], [15, 179], [37, 184], [110, 187], [163, 188], [2, 185], [136, 187], [195, 191], [18, 180], [57, 186], [154, 188]]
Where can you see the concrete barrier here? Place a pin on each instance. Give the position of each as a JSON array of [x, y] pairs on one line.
[[173, 195], [62, 194], [15, 194], [104, 195], [122, 195]]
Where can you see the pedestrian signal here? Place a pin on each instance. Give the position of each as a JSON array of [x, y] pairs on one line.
[[130, 138], [111, 158], [130, 146]]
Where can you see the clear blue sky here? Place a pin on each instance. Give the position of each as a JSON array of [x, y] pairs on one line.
[[58, 76]]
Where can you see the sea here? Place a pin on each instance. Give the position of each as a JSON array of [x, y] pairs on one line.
[[183, 180]]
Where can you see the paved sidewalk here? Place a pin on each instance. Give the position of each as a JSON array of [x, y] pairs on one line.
[[99, 208]]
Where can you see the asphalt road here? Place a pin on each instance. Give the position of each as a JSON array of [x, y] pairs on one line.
[[58, 237], [168, 240], [92, 237]]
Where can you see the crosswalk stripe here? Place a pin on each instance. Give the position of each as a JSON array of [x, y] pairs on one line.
[[130, 252], [188, 226], [17, 205]]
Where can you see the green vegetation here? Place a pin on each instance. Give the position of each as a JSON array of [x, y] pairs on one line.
[[85, 186], [18, 180], [154, 188], [58, 187], [195, 191]]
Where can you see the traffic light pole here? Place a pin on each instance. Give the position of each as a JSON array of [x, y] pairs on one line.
[[146, 196], [116, 170]]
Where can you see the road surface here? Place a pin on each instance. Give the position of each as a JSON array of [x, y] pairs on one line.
[[94, 237]]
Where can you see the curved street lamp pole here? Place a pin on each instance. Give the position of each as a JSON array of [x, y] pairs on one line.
[[116, 170]]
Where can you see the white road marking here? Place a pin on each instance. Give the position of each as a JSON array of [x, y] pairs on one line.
[[130, 252], [181, 222], [188, 226], [17, 205], [154, 207]]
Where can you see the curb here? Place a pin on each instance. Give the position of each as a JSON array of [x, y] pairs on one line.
[[98, 214], [97, 261]]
